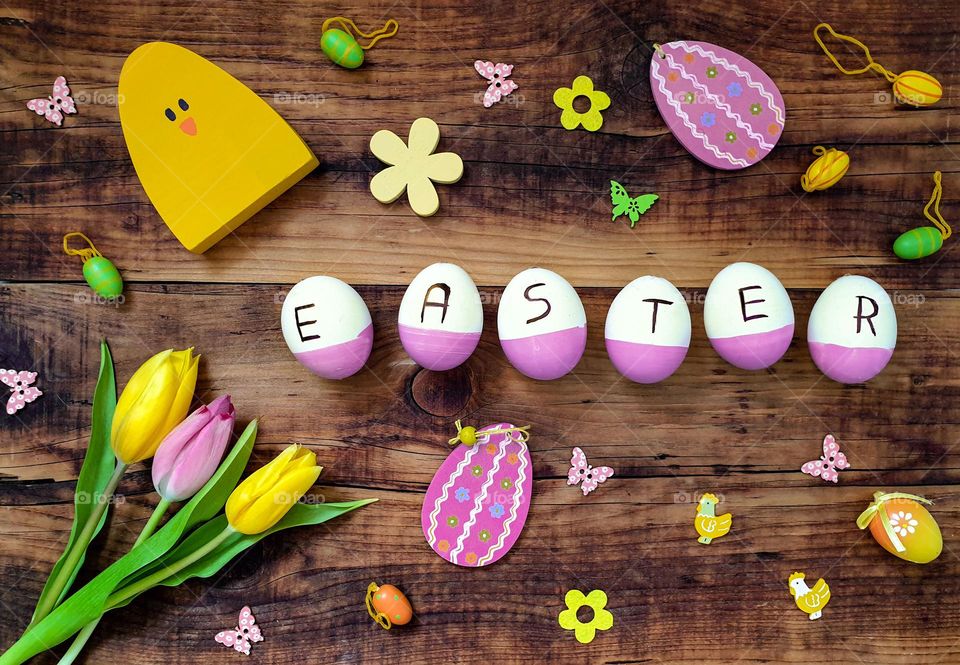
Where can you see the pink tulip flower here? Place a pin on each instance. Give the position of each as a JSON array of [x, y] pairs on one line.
[[191, 452]]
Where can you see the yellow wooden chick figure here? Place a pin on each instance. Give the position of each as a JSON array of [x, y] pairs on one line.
[[812, 601], [708, 525]]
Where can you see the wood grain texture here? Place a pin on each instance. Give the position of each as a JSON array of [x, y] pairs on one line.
[[532, 194]]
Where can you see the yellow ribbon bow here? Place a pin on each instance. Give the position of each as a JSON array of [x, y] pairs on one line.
[[874, 509], [468, 435]]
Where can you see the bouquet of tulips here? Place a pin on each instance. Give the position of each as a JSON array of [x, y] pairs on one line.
[[219, 518]]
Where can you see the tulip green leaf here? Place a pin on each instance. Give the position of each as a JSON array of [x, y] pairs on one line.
[[88, 603], [98, 466], [300, 515]]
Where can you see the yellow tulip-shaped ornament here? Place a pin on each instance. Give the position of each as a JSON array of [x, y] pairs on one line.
[[902, 526]]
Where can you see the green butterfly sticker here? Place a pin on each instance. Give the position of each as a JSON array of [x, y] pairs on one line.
[[624, 205]]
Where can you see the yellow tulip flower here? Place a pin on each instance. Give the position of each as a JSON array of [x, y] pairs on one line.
[[268, 493], [154, 401]]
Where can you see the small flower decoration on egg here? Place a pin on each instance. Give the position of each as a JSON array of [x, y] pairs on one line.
[[484, 535], [903, 523], [602, 618], [591, 119], [708, 119], [688, 98], [462, 494], [452, 521], [506, 483], [413, 167], [756, 109], [734, 89], [711, 72], [496, 510], [730, 137], [477, 470]]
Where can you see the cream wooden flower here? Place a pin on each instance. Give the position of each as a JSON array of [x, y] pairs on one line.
[[413, 167]]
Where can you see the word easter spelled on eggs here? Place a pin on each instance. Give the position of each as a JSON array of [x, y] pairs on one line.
[[327, 327], [441, 317], [208, 151], [542, 325], [747, 315]]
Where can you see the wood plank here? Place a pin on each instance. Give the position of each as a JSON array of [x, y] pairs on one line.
[[532, 193]]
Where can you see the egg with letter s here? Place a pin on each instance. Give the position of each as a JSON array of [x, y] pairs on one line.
[[327, 326], [648, 330], [748, 316], [441, 317], [852, 330], [542, 325]]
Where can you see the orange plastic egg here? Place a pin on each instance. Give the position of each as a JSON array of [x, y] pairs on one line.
[[906, 529], [388, 606]]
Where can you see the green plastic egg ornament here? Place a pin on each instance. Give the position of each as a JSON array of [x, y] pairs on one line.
[[341, 48], [918, 243], [103, 277]]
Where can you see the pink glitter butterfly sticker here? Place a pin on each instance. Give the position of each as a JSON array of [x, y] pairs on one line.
[[20, 386], [832, 459], [581, 471], [240, 637], [499, 86], [56, 105]]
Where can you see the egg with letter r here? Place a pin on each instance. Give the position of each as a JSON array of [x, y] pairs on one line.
[[852, 330], [441, 317], [542, 325], [748, 316], [327, 327]]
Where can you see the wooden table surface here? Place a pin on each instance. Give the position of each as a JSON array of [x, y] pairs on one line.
[[532, 194]]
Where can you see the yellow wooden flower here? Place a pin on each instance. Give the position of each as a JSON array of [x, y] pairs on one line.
[[571, 118], [602, 619], [413, 167]]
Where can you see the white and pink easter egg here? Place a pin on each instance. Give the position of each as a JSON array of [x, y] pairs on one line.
[[852, 330], [327, 326], [441, 317], [723, 108], [542, 325], [477, 503], [648, 330], [748, 316]]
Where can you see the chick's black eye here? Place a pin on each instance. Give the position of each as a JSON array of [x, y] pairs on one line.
[[183, 104], [171, 116]]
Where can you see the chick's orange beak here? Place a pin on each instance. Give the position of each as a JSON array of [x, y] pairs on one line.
[[189, 126]]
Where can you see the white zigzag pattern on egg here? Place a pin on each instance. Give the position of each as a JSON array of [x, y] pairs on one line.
[[521, 477], [432, 531], [733, 115], [655, 70], [717, 60], [478, 503]]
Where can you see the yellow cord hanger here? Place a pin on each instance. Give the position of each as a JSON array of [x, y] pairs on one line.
[[342, 47], [912, 87]]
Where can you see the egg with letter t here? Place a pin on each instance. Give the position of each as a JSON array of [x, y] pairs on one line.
[[441, 317], [748, 316], [542, 325], [327, 326], [648, 330], [852, 330]]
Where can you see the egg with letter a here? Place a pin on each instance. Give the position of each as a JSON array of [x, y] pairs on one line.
[[648, 330], [441, 317], [327, 326], [852, 330], [542, 325], [748, 316]]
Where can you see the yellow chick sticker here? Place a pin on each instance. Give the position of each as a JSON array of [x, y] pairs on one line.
[[708, 525], [812, 601], [209, 152]]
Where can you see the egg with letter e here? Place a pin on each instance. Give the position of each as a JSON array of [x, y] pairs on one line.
[[748, 316], [327, 326], [648, 330], [441, 317], [542, 325], [852, 330]]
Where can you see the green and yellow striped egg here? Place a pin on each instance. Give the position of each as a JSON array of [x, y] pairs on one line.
[[918, 243], [917, 88], [103, 277], [342, 48]]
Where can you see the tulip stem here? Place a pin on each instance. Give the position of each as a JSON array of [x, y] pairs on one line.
[[52, 599], [80, 641], [168, 570]]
